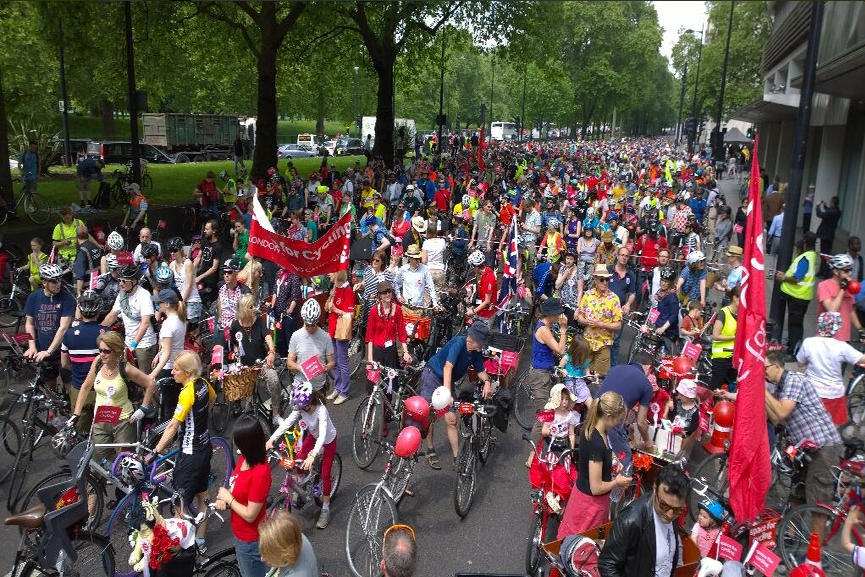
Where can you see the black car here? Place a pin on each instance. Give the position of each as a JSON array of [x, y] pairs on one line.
[[120, 152], [348, 146], [77, 150]]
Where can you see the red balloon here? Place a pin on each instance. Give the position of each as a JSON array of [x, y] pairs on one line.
[[416, 408], [724, 413], [682, 365], [407, 442], [853, 287]]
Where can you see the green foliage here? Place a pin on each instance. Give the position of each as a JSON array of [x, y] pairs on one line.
[[22, 132]]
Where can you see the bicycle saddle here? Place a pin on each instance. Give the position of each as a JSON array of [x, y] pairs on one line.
[[32, 518]]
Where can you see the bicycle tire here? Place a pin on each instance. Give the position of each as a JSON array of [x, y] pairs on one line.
[[95, 488], [371, 513], [365, 430], [400, 474], [278, 504], [16, 254], [125, 518], [19, 470], [533, 547], [794, 535], [8, 307], [146, 184], [635, 346], [335, 478], [11, 444], [485, 440], [37, 209], [714, 471], [220, 413], [524, 401], [224, 569], [356, 350], [81, 541], [466, 478], [220, 475], [118, 195], [856, 399]]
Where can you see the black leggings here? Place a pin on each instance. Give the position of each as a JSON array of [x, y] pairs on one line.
[[723, 373]]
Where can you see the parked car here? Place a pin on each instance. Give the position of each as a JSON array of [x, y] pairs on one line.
[[120, 152], [347, 146], [77, 150], [295, 151]]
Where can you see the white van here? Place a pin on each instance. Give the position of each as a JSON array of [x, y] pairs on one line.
[[309, 140]]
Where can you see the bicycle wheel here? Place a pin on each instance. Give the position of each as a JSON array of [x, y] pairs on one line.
[[125, 519], [466, 479], [524, 402], [365, 431], [118, 194], [37, 208], [224, 569], [372, 512], [9, 306], [220, 413], [635, 347], [146, 184], [485, 440], [397, 481], [95, 558], [95, 492], [221, 465], [533, 547], [19, 470], [335, 478], [714, 472], [11, 444], [794, 536], [356, 350], [856, 399]]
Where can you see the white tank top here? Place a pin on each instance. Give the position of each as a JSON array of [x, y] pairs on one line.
[[180, 281]]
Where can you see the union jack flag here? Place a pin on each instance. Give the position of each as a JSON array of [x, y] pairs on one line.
[[511, 266]]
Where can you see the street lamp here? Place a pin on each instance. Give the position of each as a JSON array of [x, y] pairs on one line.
[[679, 127], [692, 136], [356, 101], [717, 139]]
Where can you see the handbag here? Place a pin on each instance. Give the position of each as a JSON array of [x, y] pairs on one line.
[[343, 328]]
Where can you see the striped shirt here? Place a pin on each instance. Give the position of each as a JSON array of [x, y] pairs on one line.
[[80, 343]]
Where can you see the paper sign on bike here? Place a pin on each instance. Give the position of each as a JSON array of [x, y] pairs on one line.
[[738, 228], [729, 548], [372, 374], [509, 359], [94, 276], [311, 368], [216, 356], [763, 560], [692, 351], [107, 414], [653, 316]]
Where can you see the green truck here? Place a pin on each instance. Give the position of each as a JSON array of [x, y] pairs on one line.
[[192, 137]]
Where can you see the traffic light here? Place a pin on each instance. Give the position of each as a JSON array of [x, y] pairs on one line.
[[750, 132]]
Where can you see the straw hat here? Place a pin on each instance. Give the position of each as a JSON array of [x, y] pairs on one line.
[[413, 251], [601, 270], [734, 251], [419, 223]]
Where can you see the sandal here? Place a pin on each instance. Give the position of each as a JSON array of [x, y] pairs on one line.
[[433, 460]]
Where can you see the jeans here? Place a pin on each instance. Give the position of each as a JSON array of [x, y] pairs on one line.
[[249, 559], [614, 351], [238, 160], [341, 378]]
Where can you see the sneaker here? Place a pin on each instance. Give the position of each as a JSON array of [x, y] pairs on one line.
[[332, 395], [202, 546], [340, 399], [323, 519]]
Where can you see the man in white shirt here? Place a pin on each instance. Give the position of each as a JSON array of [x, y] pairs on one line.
[[144, 237], [412, 282], [134, 307]]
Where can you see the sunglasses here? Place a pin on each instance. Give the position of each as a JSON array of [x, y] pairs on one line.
[[667, 508], [601, 279], [105, 351], [398, 527]]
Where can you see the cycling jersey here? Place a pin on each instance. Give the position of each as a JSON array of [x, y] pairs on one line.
[[192, 413], [316, 422]]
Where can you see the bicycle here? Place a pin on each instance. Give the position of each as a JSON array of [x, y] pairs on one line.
[[524, 396], [295, 494], [36, 207], [856, 396], [53, 538], [12, 304], [796, 526], [223, 563], [377, 410], [36, 421], [476, 432], [357, 345], [119, 190], [373, 510]]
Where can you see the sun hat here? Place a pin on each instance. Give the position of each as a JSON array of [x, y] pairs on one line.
[[418, 223], [552, 307], [556, 396], [688, 388], [480, 333], [734, 251], [601, 270], [413, 251], [607, 236], [828, 324]]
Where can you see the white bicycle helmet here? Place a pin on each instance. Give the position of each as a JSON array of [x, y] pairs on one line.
[[63, 441], [441, 398], [301, 395], [695, 257], [310, 312], [553, 223], [841, 261], [466, 200], [476, 258], [111, 262], [115, 241], [131, 470], [50, 271]]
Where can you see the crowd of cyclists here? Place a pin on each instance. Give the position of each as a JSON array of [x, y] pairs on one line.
[[582, 238]]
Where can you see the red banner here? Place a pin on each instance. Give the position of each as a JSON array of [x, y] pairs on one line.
[[750, 472], [328, 254]]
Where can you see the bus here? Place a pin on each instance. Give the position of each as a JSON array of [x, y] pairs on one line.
[[503, 131]]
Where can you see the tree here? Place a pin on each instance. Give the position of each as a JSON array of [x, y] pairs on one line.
[[264, 31]]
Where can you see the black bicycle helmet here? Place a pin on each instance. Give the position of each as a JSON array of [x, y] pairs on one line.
[[149, 250], [175, 244], [89, 303], [668, 273], [231, 265], [130, 272]]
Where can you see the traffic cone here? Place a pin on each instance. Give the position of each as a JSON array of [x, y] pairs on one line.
[[813, 557]]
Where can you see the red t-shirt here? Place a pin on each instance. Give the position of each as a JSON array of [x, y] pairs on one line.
[[441, 200], [648, 250], [487, 286], [209, 195], [343, 299], [507, 213], [829, 289], [250, 486], [661, 397]]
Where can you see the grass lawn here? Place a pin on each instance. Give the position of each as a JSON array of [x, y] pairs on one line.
[[172, 183], [286, 130]]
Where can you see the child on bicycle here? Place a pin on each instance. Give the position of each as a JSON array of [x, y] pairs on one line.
[[308, 407], [35, 259], [576, 362], [708, 525], [691, 326], [565, 419]]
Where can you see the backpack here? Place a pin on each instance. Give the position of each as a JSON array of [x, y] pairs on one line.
[[579, 555]]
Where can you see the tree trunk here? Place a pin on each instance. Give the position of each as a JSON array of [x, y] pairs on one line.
[[384, 112], [320, 106], [265, 154], [5, 171], [106, 113]]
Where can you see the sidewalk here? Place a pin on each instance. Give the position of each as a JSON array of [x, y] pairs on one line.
[[730, 190]]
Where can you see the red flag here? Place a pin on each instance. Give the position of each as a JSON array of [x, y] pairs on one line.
[[481, 148], [750, 471]]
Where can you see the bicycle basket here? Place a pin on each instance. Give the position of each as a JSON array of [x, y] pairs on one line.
[[417, 327], [239, 385]]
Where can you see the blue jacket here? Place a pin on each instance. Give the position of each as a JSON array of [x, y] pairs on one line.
[[87, 169], [668, 310]]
